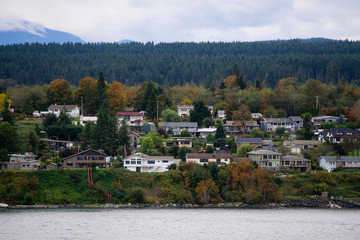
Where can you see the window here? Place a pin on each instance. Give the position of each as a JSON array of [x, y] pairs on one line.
[[270, 164], [204, 160], [69, 164], [93, 158], [287, 162], [133, 162], [80, 158], [127, 162], [264, 156], [101, 158], [274, 157], [165, 161], [151, 162], [12, 159], [138, 162], [270, 156]]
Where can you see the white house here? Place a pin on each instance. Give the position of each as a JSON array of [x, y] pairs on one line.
[[221, 114], [140, 162], [329, 163], [85, 119], [266, 160], [202, 158], [22, 162], [71, 110], [317, 121], [178, 127], [134, 120], [291, 123], [184, 110]]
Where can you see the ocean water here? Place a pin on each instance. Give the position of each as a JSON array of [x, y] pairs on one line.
[[157, 224]]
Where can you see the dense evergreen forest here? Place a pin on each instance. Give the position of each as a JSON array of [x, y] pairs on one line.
[[169, 64]]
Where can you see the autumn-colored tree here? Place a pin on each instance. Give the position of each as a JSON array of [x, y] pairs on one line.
[[59, 92], [207, 191], [3, 98], [130, 95], [354, 114], [117, 97], [85, 95], [241, 116], [186, 102]]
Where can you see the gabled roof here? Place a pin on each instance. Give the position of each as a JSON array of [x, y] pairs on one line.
[[263, 152], [86, 152], [339, 132], [128, 114], [341, 158], [249, 140], [61, 107], [185, 106], [181, 124], [302, 142], [294, 158], [208, 155], [296, 118]]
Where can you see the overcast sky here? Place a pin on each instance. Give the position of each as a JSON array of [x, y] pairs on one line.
[[187, 20]]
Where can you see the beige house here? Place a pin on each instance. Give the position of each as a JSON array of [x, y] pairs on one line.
[[84, 159], [25, 161], [295, 163], [178, 142], [297, 146], [265, 159], [202, 158], [134, 120]]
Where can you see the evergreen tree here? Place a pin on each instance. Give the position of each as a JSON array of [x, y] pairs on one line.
[[124, 135], [151, 109], [33, 142], [6, 114], [239, 77], [101, 127], [64, 118], [145, 100], [112, 136], [101, 94], [220, 132], [49, 120], [28, 108], [199, 112], [87, 140]]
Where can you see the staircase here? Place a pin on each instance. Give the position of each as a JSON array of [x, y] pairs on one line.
[[93, 186]]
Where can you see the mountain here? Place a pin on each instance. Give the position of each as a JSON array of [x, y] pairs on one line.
[[44, 35]]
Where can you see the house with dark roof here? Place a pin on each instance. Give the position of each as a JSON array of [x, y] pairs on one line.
[[256, 142], [317, 121], [329, 163], [291, 123], [178, 127], [337, 135], [202, 158], [134, 120], [71, 110], [84, 159]]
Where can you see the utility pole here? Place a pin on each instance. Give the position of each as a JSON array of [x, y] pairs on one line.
[[82, 106], [157, 111], [317, 102]]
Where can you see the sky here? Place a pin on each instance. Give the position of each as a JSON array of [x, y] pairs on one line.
[[186, 20]]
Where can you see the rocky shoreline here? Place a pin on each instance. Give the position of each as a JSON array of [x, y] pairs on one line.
[[298, 203]]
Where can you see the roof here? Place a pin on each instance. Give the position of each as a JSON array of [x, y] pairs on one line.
[[340, 132], [207, 130], [302, 142], [54, 140], [263, 152], [181, 124], [208, 155], [60, 107], [147, 157], [294, 158], [341, 158], [249, 140], [276, 120], [128, 114], [185, 106], [296, 118], [86, 152]]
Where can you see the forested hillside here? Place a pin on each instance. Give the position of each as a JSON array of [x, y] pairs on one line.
[[179, 63]]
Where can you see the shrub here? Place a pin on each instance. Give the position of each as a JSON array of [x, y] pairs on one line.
[[29, 198], [136, 195]]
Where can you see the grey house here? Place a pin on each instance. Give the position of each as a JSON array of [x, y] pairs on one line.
[[178, 127]]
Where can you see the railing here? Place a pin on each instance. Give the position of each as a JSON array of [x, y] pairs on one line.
[[93, 186]]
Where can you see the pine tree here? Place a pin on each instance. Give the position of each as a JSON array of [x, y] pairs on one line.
[[199, 112], [112, 136], [28, 108], [144, 102], [124, 136], [220, 132], [87, 140], [101, 127], [101, 94], [151, 109], [64, 118]]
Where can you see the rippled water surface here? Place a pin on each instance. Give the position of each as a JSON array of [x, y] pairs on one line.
[[180, 224]]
